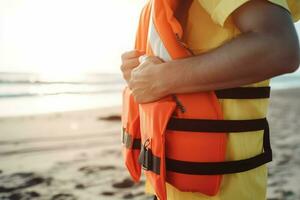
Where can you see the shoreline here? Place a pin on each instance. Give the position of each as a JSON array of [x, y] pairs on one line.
[[100, 110], [117, 108]]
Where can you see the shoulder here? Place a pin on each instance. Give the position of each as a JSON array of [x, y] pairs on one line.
[[221, 10]]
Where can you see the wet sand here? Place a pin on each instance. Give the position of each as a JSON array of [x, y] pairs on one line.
[[284, 170], [77, 155]]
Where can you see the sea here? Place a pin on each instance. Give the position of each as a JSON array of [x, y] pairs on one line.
[[30, 93]]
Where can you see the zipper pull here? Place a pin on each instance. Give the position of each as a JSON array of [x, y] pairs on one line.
[[178, 103]]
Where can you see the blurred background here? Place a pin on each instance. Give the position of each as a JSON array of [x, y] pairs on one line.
[[63, 55], [60, 97]]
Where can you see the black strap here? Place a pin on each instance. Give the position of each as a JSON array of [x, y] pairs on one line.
[[149, 161], [227, 167], [215, 126], [244, 93], [129, 142]]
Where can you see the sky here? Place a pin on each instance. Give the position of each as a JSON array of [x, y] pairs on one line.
[[67, 36]]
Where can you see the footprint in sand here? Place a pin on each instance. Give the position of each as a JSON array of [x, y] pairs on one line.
[[80, 186], [287, 195], [9, 183], [24, 196], [108, 193], [285, 158], [64, 197], [284, 195], [130, 195], [95, 169], [111, 118], [126, 183]]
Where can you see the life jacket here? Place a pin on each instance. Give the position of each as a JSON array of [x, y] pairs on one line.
[[131, 136], [183, 137]]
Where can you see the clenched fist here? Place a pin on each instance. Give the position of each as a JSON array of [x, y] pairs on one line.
[[130, 60], [146, 76]]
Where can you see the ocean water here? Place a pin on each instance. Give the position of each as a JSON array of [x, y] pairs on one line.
[[29, 93], [286, 81]]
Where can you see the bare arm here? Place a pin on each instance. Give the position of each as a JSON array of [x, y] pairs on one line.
[[267, 46]]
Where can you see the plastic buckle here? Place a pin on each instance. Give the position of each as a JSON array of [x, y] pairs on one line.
[[146, 156]]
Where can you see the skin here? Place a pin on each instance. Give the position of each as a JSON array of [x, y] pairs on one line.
[[267, 47]]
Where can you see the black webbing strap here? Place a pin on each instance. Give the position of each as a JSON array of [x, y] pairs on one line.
[[213, 168], [244, 93], [215, 126], [129, 142], [149, 161], [227, 167]]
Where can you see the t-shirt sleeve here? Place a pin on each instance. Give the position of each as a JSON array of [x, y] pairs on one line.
[[220, 10], [294, 8]]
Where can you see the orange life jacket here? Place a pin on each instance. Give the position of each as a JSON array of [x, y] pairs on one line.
[[182, 137], [131, 137]]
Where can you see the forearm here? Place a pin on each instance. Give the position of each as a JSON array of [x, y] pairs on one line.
[[267, 46], [249, 58]]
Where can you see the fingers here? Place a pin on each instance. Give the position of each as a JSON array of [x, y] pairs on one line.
[[132, 54], [129, 64], [152, 59], [130, 60]]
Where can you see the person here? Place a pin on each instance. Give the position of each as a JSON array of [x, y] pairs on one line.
[[236, 43]]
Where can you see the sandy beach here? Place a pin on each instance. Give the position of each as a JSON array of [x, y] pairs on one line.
[[77, 155]]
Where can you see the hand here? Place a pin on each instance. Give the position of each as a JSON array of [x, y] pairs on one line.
[[130, 60], [148, 80]]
